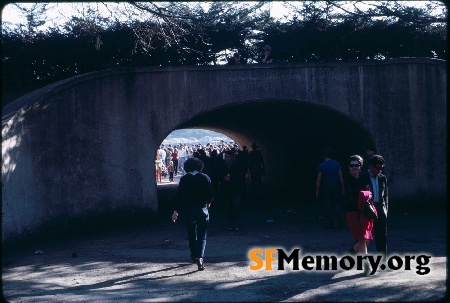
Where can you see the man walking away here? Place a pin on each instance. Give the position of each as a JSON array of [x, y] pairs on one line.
[[329, 187]]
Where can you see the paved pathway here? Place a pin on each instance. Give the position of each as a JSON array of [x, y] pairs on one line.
[[151, 264]]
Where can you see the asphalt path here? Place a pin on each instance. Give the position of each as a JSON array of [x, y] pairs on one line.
[[151, 263]]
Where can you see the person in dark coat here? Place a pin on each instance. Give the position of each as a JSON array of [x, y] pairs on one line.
[[194, 197], [256, 167], [379, 188], [230, 188], [360, 226]]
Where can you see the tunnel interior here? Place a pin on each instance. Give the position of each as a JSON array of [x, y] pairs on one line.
[[291, 136]]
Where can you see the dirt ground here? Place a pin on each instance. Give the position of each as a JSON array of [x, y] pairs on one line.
[[151, 264]]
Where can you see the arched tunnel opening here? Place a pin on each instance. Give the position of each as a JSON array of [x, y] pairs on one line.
[[291, 136]]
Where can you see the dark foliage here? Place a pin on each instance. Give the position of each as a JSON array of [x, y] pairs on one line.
[[30, 62]]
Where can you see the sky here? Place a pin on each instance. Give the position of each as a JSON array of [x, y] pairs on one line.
[[60, 11]]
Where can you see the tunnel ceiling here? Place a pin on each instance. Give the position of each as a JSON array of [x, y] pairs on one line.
[[285, 123]]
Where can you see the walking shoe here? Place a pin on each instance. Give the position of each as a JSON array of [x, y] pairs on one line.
[[200, 264]]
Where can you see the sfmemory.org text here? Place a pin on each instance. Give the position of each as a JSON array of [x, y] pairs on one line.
[[266, 256]]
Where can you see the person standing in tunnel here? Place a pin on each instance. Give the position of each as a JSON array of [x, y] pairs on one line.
[[256, 167], [182, 155], [168, 155], [242, 158], [330, 187], [175, 161], [230, 188], [193, 200], [162, 154], [215, 162], [170, 171]]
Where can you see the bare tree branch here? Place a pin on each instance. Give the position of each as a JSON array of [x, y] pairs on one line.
[[412, 14]]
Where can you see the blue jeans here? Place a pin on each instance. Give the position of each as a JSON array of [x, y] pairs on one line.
[[181, 164], [197, 226]]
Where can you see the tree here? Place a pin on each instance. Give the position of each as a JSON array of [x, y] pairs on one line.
[[34, 16], [434, 12], [194, 30], [431, 13], [163, 34]]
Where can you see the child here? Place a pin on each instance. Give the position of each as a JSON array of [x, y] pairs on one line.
[[170, 170]]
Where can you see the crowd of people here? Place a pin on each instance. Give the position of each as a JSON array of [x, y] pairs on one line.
[[227, 164], [222, 169], [170, 159]]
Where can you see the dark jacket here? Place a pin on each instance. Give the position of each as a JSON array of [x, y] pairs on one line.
[[352, 188], [194, 192], [382, 189], [232, 187]]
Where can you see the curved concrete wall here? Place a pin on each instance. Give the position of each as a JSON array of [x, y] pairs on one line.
[[86, 145]]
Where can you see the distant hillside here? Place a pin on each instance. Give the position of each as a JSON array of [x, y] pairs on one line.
[[191, 136]]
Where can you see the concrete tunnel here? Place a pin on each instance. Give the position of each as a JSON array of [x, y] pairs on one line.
[[291, 136], [93, 137]]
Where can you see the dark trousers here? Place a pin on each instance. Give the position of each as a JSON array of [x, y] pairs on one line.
[[334, 212], [197, 226], [175, 166], [233, 206], [256, 182], [380, 230]]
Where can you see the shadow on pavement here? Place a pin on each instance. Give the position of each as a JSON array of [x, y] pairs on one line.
[[151, 262]]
